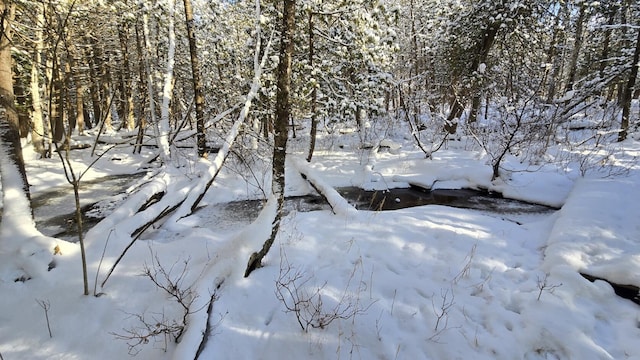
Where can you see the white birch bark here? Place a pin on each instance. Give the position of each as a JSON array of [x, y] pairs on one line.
[[214, 167], [37, 130], [147, 65], [167, 91]]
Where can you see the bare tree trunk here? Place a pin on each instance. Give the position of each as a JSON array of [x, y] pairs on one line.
[[9, 130], [70, 104], [197, 79], [607, 40], [488, 39], [553, 57], [283, 111], [55, 102], [128, 118], [94, 86], [142, 122], [106, 94], [451, 126], [314, 93], [577, 46], [628, 91], [80, 87], [75, 58]]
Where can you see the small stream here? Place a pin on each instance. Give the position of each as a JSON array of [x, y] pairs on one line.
[[401, 198], [55, 209], [232, 214]]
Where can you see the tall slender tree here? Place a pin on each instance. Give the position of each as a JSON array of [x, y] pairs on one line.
[[197, 79], [314, 89], [167, 91], [628, 91], [281, 135]]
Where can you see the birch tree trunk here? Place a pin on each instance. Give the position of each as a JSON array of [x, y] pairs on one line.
[[37, 129], [150, 90], [167, 91]]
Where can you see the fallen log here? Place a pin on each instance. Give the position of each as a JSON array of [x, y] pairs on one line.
[[339, 205]]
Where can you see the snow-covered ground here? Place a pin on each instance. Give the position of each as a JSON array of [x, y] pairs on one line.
[[429, 282]]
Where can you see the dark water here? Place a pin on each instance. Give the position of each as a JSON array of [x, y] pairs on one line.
[[394, 199], [243, 212], [55, 209]]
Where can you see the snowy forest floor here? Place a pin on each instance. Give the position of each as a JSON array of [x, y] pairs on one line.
[[427, 282]]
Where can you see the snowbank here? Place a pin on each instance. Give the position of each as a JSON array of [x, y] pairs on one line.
[[598, 233]]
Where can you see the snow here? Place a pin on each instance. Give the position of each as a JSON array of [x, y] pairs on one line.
[[603, 246], [428, 282]]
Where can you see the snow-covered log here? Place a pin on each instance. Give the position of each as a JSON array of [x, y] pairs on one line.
[[223, 268], [339, 205], [109, 239]]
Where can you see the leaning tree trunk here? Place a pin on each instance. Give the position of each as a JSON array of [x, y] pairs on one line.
[[283, 110], [197, 79], [628, 92]]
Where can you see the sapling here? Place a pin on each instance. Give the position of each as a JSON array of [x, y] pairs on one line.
[[442, 311], [157, 326], [45, 305], [544, 285], [74, 180], [306, 302]]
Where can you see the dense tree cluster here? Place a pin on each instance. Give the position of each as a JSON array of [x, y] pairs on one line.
[[152, 68]]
